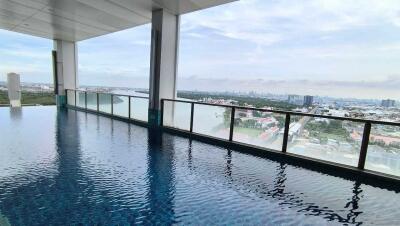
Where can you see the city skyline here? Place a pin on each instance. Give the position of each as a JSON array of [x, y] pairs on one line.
[[315, 47]]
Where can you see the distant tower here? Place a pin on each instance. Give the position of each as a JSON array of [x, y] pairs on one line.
[[308, 101], [14, 89], [295, 99], [388, 103]]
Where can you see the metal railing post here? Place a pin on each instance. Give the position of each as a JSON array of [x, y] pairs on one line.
[[98, 104], [232, 123], [162, 113], [75, 98], [191, 117], [129, 106], [364, 145], [66, 97], [112, 104], [286, 133], [85, 100]]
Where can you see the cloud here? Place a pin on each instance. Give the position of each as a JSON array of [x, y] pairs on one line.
[[32, 54], [291, 39], [269, 22]]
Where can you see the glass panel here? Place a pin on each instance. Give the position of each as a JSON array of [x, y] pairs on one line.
[[121, 106], [91, 101], [80, 99], [259, 128], [71, 97], [105, 103], [212, 120], [139, 108], [177, 115], [326, 139], [384, 149]]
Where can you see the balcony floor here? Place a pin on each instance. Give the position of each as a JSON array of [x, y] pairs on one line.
[[69, 167]]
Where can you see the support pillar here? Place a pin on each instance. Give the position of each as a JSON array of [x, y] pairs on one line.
[[64, 69], [163, 61]]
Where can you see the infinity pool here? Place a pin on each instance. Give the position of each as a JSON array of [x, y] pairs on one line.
[[73, 168]]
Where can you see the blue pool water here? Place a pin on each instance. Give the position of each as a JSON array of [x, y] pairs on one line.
[[73, 168]]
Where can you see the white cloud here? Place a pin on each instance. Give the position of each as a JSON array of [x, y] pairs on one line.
[[292, 39], [33, 54], [269, 22]]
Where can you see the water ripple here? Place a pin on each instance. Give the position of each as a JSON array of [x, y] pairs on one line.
[[81, 169]]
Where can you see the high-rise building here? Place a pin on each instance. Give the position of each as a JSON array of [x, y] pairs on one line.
[[14, 89], [295, 99], [308, 100], [388, 103]]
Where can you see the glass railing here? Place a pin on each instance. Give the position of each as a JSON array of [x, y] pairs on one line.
[[325, 139], [177, 114], [71, 100], [259, 128], [365, 144], [123, 106], [80, 99], [139, 108], [91, 101], [105, 102], [211, 120], [384, 149]]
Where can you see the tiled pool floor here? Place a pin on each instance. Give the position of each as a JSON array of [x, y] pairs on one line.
[[71, 168]]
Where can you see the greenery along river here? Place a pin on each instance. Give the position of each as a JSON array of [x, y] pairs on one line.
[[31, 98]]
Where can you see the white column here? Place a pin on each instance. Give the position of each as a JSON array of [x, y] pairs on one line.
[[66, 65], [163, 62], [14, 89]]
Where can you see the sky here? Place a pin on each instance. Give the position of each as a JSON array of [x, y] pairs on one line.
[[30, 56], [319, 47]]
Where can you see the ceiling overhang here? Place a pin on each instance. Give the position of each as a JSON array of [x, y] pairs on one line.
[[76, 20]]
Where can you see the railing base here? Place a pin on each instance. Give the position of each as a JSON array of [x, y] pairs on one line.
[[61, 101], [154, 118], [120, 118]]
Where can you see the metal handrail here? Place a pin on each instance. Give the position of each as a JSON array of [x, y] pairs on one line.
[[123, 95], [97, 108], [290, 112]]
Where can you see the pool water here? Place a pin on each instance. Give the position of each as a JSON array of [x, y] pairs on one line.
[[73, 168]]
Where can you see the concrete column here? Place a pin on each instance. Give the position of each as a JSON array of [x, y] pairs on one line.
[[65, 69], [163, 62], [14, 89]]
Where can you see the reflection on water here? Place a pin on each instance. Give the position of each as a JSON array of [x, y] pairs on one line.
[[160, 173], [86, 169], [4, 221], [16, 113], [352, 205]]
